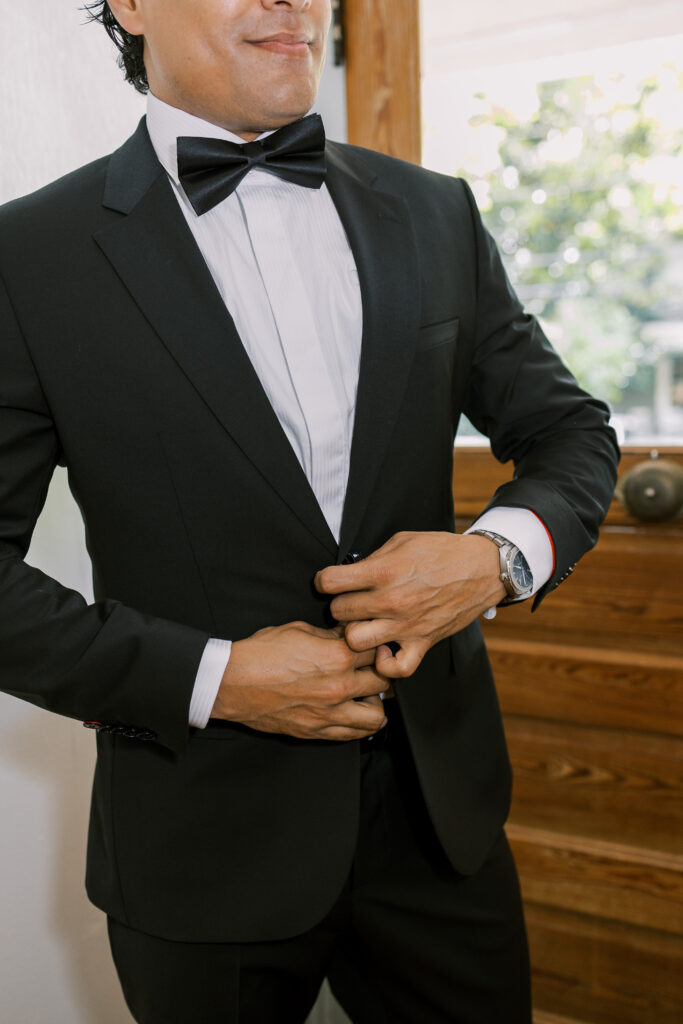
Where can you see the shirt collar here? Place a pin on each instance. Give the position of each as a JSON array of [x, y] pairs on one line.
[[166, 124]]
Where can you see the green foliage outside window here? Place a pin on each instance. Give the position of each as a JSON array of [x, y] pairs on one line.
[[586, 204]]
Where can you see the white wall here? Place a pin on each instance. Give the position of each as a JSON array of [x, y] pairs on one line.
[[457, 34], [63, 102]]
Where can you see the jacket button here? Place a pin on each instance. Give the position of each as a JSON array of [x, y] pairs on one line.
[[352, 557]]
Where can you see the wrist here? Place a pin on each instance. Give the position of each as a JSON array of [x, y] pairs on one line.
[[513, 569], [226, 703]]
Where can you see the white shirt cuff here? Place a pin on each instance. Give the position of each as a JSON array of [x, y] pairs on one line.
[[208, 680], [522, 527]]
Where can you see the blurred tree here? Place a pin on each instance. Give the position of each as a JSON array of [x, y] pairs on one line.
[[587, 206]]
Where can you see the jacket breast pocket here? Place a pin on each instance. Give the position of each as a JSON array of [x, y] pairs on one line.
[[435, 335]]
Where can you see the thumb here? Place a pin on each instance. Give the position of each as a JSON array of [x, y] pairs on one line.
[[384, 654], [406, 660]]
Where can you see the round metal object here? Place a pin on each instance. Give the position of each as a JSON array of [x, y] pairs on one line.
[[653, 491]]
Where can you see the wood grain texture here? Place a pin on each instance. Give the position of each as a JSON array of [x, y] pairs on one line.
[[477, 474], [604, 972], [589, 685], [605, 880], [601, 784], [383, 76], [552, 1018], [626, 595]]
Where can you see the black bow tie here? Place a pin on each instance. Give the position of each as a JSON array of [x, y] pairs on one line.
[[211, 169]]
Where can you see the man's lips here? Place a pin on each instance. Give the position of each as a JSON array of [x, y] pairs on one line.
[[292, 45]]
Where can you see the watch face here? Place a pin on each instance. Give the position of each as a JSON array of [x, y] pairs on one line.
[[520, 573]]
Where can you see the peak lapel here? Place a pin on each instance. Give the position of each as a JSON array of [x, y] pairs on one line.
[[154, 253], [381, 236]]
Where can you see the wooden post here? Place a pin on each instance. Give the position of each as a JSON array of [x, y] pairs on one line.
[[383, 76]]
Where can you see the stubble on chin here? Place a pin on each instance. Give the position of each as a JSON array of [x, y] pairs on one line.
[[278, 103]]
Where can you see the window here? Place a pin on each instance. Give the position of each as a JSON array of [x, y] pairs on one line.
[[576, 160]]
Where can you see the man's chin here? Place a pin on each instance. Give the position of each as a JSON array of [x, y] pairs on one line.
[[290, 102], [279, 118]]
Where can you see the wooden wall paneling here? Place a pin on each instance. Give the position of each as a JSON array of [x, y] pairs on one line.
[[591, 688], [552, 1018], [626, 595], [603, 972], [383, 76], [606, 880], [600, 784], [588, 685], [476, 477], [477, 474]]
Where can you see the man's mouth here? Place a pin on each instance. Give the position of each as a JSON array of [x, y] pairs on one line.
[[286, 43]]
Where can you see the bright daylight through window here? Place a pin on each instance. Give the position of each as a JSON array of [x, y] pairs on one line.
[[576, 161]]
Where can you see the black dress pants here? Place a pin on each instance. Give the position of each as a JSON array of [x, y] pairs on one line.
[[409, 940]]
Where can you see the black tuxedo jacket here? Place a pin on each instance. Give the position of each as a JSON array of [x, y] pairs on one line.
[[118, 360]]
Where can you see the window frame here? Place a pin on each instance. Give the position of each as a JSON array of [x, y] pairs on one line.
[[383, 76]]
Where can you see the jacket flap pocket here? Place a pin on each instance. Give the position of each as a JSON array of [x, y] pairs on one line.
[[434, 335]]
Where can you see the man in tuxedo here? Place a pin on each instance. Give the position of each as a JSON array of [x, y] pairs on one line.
[[251, 350]]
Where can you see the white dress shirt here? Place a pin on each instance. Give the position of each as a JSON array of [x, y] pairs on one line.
[[281, 260]]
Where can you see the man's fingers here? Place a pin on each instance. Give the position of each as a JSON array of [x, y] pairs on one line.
[[338, 579], [362, 659], [404, 662], [373, 700], [365, 716], [375, 570], [340, 657], [319, 631], [365, 636], [341, 734], [368, 683], [354, 607]]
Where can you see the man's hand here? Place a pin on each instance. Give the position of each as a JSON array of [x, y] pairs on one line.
[[302, 681], [416, 589]]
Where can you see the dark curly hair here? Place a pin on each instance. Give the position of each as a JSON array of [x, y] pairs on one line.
[[130, 47]]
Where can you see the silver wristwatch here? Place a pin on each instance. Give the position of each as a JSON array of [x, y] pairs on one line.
[[515, 574]]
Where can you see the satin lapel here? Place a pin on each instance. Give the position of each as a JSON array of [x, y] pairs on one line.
[[381, 236], [154, 253]]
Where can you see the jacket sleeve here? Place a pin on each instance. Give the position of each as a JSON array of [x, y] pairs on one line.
[[103, 662], [525, 400]]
